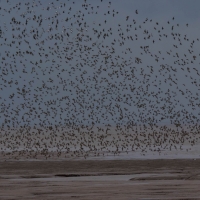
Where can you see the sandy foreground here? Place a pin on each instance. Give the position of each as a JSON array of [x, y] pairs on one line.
[[105, 179]]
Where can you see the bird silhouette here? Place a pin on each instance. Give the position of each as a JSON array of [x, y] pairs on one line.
[[81, 80]]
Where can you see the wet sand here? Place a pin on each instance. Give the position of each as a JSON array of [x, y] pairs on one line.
[[106, 179]]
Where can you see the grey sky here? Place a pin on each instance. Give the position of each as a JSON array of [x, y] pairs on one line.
[[72, 78]]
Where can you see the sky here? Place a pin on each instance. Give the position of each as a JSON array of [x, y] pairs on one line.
[[99, 62]]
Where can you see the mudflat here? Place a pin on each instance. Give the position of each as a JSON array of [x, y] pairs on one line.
[[100, 179]]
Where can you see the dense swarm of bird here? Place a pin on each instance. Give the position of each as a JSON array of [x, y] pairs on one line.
[[78, 79]]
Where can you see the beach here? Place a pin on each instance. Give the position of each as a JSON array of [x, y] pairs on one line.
[[101, 179]]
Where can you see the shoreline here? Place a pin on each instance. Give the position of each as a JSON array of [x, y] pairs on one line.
[[95, 180], [81, 166]]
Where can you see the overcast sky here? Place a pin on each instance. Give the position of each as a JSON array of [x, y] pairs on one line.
[[99, 62]]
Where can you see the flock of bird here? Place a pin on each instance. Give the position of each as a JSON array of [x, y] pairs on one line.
[[78, 78]]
